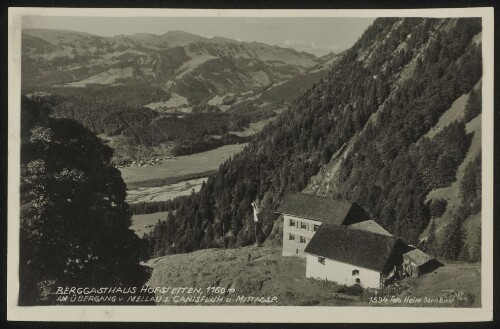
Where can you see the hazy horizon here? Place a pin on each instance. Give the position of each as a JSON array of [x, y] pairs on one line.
[[318, 35]]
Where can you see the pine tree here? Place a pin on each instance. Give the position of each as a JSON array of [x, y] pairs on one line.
[[453, 239], [473, 106], [475, 254], [326, 154], [470, 185], [431, 243], [438, 207], [464, 254]]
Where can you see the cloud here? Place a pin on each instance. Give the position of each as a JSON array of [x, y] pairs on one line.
[[264, 24], [299, 43]]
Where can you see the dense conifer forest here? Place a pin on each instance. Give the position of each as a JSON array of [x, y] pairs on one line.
[[114, 110]]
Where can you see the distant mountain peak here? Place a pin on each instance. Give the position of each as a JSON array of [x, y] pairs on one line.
[[143, 34], [182, 34], [218, 39]]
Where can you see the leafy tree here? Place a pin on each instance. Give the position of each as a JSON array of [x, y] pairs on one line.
[[74, 218]]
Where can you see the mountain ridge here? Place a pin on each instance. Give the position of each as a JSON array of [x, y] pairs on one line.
[[169, 34], [178, 62]]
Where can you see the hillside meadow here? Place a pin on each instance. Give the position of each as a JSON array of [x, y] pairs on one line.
[[144, 223], [268, 274]]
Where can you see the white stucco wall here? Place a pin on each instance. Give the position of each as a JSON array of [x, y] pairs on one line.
[[341, 272], [295, 247]]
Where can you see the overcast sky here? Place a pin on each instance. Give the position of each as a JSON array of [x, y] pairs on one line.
[[316, 35]]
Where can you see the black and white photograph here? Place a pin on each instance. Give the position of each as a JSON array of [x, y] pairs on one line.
[[179, 159]]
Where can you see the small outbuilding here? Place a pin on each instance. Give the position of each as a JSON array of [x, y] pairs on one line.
[[416, 263]]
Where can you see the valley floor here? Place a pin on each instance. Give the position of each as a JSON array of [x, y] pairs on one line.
[[179, 166], [269, 275]]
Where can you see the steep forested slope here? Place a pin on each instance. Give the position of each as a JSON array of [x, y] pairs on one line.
[[393, 163], [388, 90]]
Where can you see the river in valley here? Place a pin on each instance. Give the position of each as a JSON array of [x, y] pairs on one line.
[[166, 192]]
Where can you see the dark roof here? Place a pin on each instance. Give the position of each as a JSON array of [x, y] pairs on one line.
[[348, 245], [417, 256], [323, 209]]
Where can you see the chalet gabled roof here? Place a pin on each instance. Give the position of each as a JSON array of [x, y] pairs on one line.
[[323, 209], [370, 226], [348, 245]]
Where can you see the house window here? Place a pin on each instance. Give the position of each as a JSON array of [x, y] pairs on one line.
[[316, 227], [291, 237], [302, 239], [321, 260], [355, 272], [292, 222], [303, 225]]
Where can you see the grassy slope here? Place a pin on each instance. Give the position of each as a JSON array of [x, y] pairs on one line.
[[459, 277], [294, 87], [267, 274], [141, 223], [253, 128], [270, 274]]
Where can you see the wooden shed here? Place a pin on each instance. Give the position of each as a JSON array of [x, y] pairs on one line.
[[416, 263]]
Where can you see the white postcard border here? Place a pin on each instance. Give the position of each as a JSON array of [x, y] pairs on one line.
[[318, 314]]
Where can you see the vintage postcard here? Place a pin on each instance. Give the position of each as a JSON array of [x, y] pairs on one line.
[[250, 165]]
